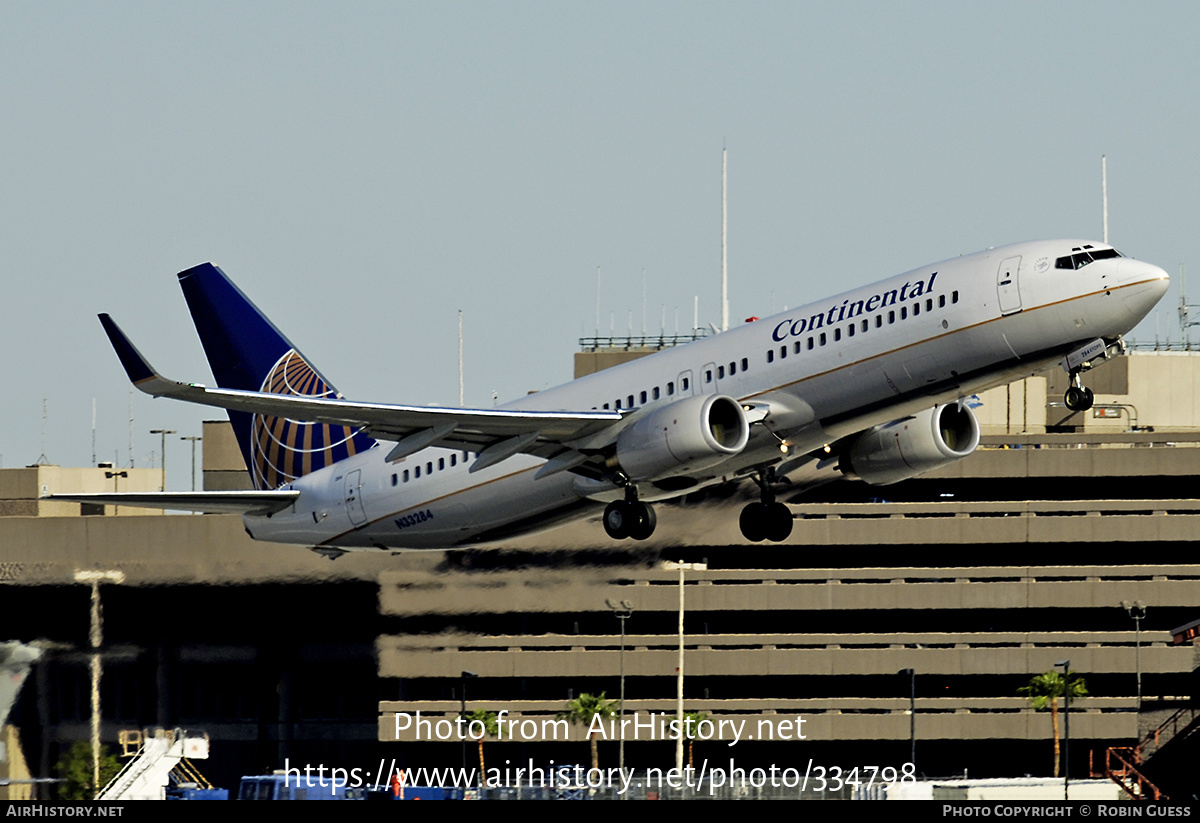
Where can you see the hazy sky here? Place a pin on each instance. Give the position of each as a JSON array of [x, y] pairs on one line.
[[365, 170]]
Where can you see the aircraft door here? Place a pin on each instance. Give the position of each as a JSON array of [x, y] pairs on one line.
[[1007, 286], [354, 505]]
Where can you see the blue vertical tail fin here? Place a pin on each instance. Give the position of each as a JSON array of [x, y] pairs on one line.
[[247, 352]]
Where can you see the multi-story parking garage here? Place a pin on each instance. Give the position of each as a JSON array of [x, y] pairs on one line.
[[975, 578]]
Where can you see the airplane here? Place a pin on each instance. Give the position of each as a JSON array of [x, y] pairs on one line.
[[873, 384]]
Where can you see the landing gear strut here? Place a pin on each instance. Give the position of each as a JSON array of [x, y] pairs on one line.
[[768, 519], [1078, 397], [629, 517]]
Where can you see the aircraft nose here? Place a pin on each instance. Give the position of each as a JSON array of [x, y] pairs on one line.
[[1143, 285]]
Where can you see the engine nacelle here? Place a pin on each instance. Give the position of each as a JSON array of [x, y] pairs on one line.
[[905, 448], [684, 437]]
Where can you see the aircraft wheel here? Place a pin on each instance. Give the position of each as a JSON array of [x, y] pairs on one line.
[[1089, 398], [778, 522], [1075, 398], [643, 521], [618, 519], [754, 522]]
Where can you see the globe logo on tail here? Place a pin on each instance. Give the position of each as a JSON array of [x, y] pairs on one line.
[[284, 449]]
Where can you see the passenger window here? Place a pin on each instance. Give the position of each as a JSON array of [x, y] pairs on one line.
[[720, 372], [708, 375], [616, 404], [810, 344], [429, 467], [454, 457], [782, 351], [891, 317], [643, 398], [406, 475], [837, 334], [606, 405], [822, 338], [941, 301], [916, 309], [732, 369], [797, 347], [656, 392], [441, 464], [416, 472], [686, 383], [745, 364], [879, 321], [770, 355], [954, 296], [850, 330], [866, 324], [630, 399], [394, 479], [929, 304], [671, 388]]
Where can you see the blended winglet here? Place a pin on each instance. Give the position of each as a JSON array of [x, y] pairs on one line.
[[140, 372]]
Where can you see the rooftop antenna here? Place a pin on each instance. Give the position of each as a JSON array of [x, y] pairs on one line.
[[41, 461], [597, 301], [724, 246], [460, 360], [131, 426], [695, 312], [1104, 194], [643, 301], [93, 432]]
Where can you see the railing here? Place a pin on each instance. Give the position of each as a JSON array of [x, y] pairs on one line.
[[1126, 774]]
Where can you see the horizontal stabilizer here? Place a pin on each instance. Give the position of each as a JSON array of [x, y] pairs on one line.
[[232, 502]]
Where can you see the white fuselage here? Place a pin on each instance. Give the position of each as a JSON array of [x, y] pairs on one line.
[[825, 371]]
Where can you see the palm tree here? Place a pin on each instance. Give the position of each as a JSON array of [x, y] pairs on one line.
[[693, 731], [490, 729], [585, 709], [1044, 690]]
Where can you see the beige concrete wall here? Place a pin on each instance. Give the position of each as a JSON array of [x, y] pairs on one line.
[[21, 488]]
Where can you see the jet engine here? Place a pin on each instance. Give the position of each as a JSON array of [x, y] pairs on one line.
[[685, 437], [905, 448]]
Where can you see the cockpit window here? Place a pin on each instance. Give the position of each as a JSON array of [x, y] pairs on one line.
[[1082, 258]]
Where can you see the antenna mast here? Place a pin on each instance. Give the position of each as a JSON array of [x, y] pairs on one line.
[[724, 246], [1104, 195]]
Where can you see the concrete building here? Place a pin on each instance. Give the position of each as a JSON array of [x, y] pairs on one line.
[[975, 577]]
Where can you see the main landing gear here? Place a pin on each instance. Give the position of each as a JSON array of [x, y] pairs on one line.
[[1078, 397], [629, 517], [768, 519]]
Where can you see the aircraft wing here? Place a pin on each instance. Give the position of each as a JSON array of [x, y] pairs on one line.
[[494, 433], [215, 502]]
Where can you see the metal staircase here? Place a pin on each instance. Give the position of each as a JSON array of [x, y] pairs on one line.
[[1126, 765], [156, 754]]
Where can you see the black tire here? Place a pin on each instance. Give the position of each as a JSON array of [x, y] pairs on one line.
[[779, 522], [1075, 398], [753, 522], [1089, 399], [617, 519], [643, 521]]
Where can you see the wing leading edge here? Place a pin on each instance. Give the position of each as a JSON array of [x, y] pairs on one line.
[[564, 438]]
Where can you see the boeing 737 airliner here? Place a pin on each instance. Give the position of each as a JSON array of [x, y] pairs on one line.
[[872, 382]]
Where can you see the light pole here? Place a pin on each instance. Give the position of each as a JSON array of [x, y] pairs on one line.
[[681, 568], [115, 476], [164, 433], [912, 713], [622, 610], [1066, 667], [1137, 611], [463, 715], [95, 578], [193, 438]]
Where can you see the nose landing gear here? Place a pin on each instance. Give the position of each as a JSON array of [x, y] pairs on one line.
[[1078, 397]]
